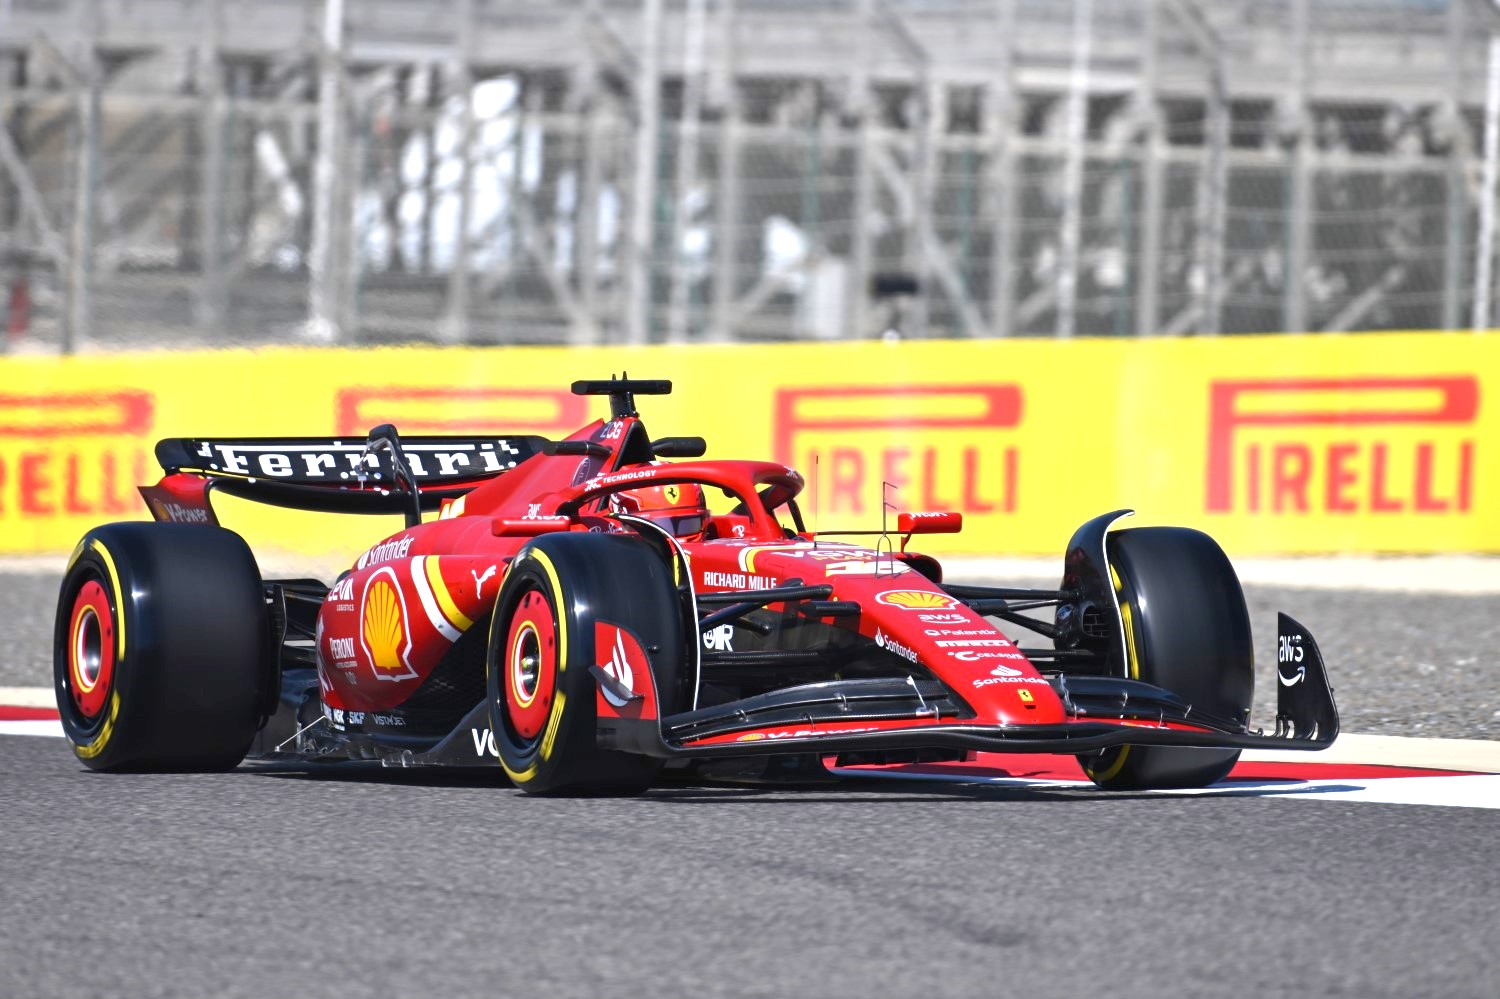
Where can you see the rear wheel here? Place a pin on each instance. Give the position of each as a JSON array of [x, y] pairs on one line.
[[161, 651], [1186, 630], [543, 699]]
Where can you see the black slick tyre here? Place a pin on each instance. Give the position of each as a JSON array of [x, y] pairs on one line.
[[542, 697], [161, 649], [1186, 630]]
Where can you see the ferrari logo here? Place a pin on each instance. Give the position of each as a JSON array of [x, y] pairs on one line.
[[1025, 695], [672, 493]]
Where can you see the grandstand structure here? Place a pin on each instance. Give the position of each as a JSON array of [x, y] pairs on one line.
[[178, 172]]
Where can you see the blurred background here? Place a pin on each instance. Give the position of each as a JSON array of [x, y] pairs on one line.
[[198, 173]]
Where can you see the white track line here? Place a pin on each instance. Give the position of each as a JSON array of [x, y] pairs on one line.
[[1472, 755], [27, 697], [43, 727]]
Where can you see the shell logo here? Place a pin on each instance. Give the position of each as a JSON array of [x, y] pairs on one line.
[[384, 628], [915, 599]]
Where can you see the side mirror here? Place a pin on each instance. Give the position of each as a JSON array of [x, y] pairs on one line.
[[929, 523], [679, 447]]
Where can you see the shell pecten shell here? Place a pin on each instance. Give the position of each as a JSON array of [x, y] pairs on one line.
[[383, 626]]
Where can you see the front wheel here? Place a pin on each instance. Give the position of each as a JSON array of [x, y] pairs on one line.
[[542, 696], [1186, 630]]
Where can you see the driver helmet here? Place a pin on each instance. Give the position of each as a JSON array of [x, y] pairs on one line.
[[678, 508]]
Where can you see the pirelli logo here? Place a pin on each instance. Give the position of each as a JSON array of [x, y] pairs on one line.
[[462, 410], [72, 454], [944, 447], [1342, 445]]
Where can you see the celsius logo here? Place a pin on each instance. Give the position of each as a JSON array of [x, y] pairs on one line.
[[973, 656]]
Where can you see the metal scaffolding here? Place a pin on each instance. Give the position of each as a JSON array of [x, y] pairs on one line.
[[181, 172]]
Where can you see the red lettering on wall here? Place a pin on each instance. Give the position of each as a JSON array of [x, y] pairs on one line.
[[49, 483], [73, 502], [1254, 463], [930, 500], [1466, 477], [1380, 500], [846, 479], [36, 485], [1341, 479], [1425, 500], [1012, 468], [972, 503], [915, 467], [1354, 473], [893, 469], [1291, 467]]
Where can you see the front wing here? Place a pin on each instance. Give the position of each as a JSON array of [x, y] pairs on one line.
[[873, 715], [869, 715]]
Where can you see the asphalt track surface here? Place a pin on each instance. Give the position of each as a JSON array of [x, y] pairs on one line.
[[378, 884], [382, 883]]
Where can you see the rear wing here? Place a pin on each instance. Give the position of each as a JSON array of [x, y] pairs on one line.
[[342, 475]]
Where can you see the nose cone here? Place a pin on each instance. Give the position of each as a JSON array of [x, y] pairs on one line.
[[974, 658]]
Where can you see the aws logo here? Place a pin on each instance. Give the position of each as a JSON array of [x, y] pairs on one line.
[[384, 632]]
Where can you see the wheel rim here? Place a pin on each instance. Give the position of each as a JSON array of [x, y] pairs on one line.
[[530, 665], [91, 650]]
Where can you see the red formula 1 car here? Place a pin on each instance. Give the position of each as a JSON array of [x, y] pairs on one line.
[[587, 613]]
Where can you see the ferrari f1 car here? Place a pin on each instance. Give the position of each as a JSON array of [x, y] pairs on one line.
[[584, 613]]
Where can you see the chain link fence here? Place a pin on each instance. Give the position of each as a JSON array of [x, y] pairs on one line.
[[961, 168]]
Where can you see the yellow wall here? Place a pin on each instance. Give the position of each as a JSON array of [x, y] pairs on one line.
[[1372, 442]]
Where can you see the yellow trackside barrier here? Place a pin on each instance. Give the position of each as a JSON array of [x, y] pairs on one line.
[[1365, 443]]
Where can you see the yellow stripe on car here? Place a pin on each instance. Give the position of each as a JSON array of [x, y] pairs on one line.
[[550, 736], [114, 581], [96, 747], [445, 599], [557, 607]]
